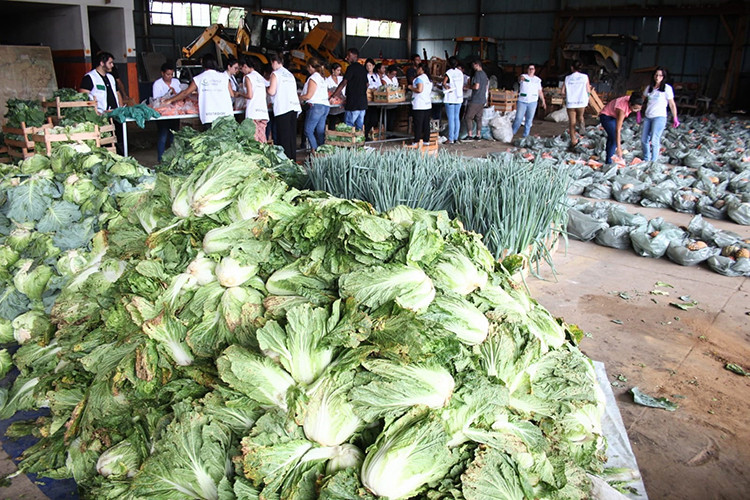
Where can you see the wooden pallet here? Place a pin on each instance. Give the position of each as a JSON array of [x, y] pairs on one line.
[[345, 139], [61, 105]]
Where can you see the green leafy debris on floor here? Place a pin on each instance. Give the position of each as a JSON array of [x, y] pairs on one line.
[[643, 399], [736, 369]]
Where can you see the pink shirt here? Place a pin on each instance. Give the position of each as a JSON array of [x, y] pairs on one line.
[[620, 103]]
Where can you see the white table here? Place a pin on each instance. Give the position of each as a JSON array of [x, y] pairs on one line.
[[383, 120], [173, 117]]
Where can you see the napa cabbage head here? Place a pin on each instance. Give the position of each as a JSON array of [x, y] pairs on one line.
[[329, 417], [410, 452], [459, 317], [456, 273]]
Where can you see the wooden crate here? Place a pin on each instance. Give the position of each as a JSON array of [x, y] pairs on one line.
[[503, 100], [22, 148], [4, 155], [395, 95], [345, 139], [48, 138], [61, 105], [108, 143], [595, 103]]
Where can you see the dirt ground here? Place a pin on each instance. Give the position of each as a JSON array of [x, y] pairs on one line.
[[700, 451]]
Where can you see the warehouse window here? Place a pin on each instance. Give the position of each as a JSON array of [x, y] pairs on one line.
[[230, 17], [358, 26], [194, 14], [323, 18]]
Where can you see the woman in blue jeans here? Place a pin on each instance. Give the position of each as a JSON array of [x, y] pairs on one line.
[[453, 96], [529, 94], [612, 117], [315, 93], [659, 95]]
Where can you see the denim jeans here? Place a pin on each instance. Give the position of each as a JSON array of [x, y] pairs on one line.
[[652, 130], [315, 125], [355, 119], [524, 109], [164, 137], [452, 110], [610, 127]]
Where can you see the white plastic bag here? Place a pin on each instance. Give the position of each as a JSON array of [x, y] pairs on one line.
[[559, 116], [502, 128], [487, 115]]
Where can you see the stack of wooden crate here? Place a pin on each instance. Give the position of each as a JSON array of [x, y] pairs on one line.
[[19, 142], [503, 100]]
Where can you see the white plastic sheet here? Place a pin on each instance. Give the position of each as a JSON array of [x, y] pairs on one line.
[[619, 452]]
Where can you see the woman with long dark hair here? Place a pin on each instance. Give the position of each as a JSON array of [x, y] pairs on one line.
[[659, 95], [315, 94], [576, 91], [286, 106], [612, 117]]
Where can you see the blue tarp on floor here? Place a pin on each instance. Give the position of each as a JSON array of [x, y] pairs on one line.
[[52, 488]]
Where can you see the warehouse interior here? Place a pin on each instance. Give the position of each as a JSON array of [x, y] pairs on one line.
[[679, 334]]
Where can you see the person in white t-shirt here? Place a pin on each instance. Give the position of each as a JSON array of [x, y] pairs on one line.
[[166, 86], [315, 93], [576, 91], [214, 91], [256, 108], [659, 95], [421, 103], [453, 97], [529, 94]]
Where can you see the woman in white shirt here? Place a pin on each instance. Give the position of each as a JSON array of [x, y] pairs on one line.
[[576, 91], [232, 68], [315, 94], [255, 93], [529, 93], [659, 96], [337, 107], [166, 86], [421, 103], [453, 96], [373, 82], [214, 92], [286, 106]]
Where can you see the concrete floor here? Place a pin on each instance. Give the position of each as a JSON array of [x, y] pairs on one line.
[[701, 450]]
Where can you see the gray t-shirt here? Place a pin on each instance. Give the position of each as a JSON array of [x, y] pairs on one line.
[[479, 96]]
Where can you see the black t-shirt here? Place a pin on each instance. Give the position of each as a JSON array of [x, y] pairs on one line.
[[88, 84], [411, 74], [356, 87]]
